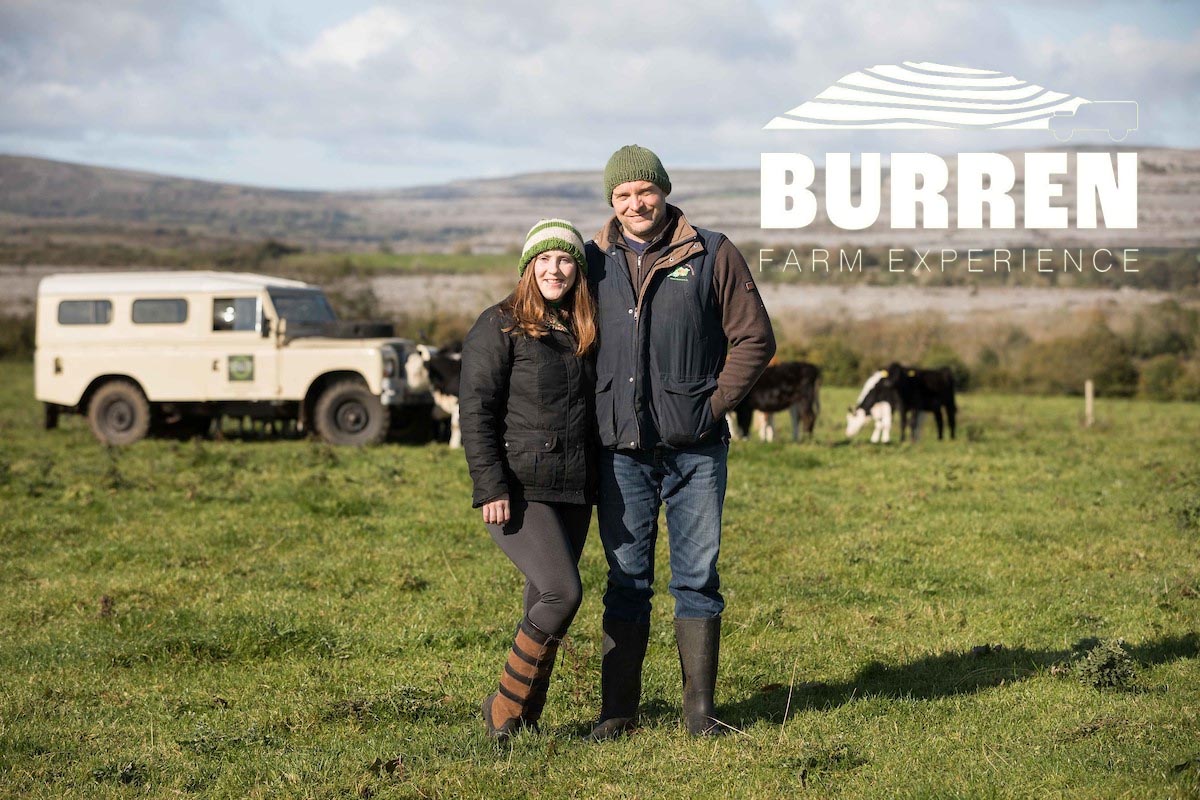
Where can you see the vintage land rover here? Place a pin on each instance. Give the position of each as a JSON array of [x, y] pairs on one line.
[[174, 350]]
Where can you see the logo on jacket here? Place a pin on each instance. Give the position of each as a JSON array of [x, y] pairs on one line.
[[681, 273]]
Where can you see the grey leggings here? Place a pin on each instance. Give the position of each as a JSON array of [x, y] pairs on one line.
[[545, 541]]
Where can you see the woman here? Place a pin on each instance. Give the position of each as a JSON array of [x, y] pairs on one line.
[[525, 409]]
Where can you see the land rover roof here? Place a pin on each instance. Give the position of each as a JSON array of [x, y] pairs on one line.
[[159, 282]]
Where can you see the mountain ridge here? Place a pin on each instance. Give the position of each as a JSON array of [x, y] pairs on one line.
[[40, 195]]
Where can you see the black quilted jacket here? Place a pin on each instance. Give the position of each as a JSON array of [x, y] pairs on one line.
[[526, 410]]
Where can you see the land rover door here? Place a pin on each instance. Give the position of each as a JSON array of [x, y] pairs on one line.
[[244, 355]]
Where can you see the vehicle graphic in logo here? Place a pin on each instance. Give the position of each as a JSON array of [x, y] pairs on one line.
[[924, 95], [1118, 118]]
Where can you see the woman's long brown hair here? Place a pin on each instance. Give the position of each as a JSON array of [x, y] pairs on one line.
[[530, 312]]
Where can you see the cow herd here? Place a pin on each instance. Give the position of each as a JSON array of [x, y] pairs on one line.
[[792, 386], [796, 387]]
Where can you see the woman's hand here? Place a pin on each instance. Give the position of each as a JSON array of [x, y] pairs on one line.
[[495, 512]]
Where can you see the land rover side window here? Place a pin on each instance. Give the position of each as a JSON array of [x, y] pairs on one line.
[[84, 312], [302, 306], [235, 314], [160, 311]]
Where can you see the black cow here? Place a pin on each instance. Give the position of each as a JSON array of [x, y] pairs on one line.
[[792, 385], [922, 390]]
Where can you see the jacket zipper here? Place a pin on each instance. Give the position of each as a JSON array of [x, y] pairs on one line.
[[637, 350], [615, 252], [567, 433], [574, 376], [638, 296]]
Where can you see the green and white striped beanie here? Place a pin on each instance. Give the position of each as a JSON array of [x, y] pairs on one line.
[[552, 234]]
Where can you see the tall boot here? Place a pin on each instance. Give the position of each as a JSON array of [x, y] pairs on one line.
[[620, 677], [532, 713], [526, 673], [699, 643]]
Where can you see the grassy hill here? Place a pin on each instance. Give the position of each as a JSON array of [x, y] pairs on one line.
[[279, 618]]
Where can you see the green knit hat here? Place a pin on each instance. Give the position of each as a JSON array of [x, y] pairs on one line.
[[552, 234], [633, 163]]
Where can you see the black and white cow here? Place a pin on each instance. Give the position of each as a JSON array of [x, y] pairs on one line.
[[875, 401], [792, 385], [920, 390], [438, 371]]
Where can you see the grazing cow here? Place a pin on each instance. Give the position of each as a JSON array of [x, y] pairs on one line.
[[920, 390], [791, 385], [875, 401], [438, 371]]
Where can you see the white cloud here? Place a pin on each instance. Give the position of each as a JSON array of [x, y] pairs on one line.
[[396, 93], [362, 37]]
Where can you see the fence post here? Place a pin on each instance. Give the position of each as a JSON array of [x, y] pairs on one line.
[[1089, 403]]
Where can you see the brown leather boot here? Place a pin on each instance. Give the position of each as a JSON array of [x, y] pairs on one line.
[[537, 700], [522, 691]]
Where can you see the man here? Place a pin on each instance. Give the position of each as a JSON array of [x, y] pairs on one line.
[[683, 337]]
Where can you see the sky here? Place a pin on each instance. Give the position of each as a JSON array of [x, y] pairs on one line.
[[308, 94]]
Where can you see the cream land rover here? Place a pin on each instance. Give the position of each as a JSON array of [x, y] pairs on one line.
[[132, 350]]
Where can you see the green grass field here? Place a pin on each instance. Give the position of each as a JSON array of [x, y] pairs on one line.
[[282, 619]]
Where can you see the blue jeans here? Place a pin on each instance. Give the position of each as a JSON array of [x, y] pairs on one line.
[[633, 485]]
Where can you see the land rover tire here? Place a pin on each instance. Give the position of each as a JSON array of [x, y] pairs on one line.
[[348, 413], [119, 413]]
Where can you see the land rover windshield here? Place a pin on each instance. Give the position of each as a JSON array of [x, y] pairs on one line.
[[301, 307]]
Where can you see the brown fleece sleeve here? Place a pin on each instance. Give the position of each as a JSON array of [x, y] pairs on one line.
[[747, 329]]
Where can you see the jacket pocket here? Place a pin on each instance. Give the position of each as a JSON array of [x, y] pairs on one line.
[[683, 411], [535, 458], [606, 418]]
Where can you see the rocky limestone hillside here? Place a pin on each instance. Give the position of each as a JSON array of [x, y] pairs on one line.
[[38, 195]]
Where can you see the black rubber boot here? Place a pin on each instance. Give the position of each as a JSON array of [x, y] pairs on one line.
[[699, 643], [620, 678]]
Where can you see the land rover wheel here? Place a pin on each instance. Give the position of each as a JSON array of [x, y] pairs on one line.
[[119, 413], [347, 413]]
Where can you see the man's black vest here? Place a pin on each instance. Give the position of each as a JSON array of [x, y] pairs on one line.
[[657, 367]]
